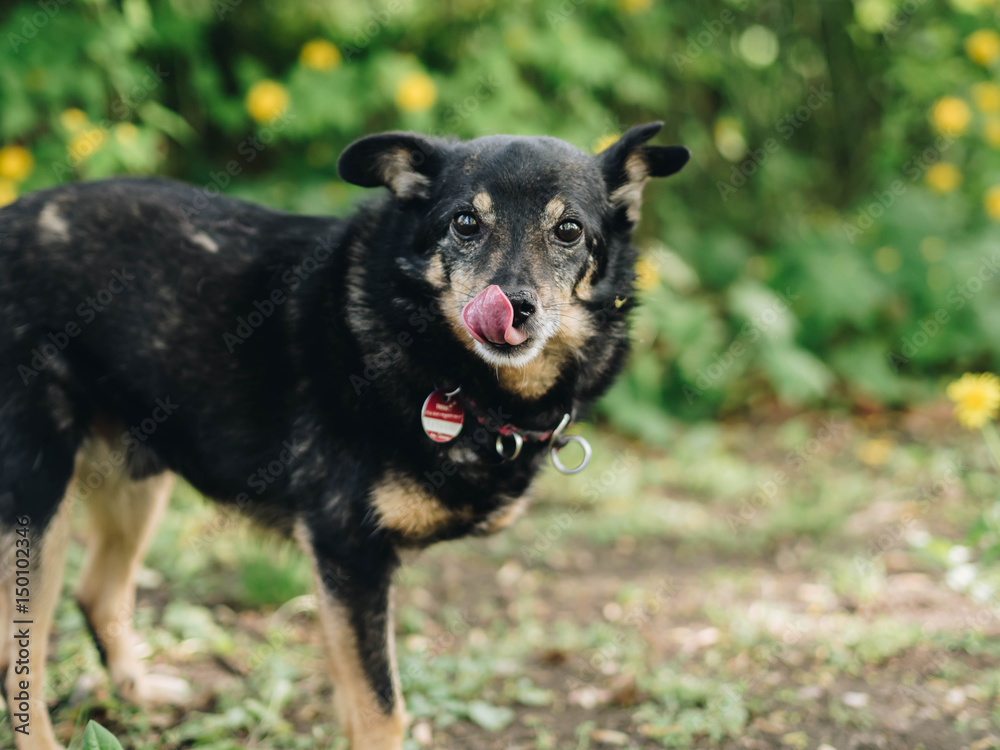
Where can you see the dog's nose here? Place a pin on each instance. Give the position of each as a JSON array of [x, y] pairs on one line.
[[525, 304]]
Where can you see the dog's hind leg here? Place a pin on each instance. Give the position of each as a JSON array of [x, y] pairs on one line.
[[39, 437], [354, 595], [31, 591], [123, 517]]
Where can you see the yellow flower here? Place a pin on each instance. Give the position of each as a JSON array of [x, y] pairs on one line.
[[983, 47], [16, 163], [126, 133], [320, 54], [647, 276], [943, 178], [73, 119], [8, 192], [991, 131], [635, 6], [950, 115], [86, 144], [875, 452], [266, 100], [416, 92], [991, 202], [605, 141], [986, 96], [976, 397]]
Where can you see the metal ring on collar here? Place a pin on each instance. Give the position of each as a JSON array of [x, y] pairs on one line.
[[518, 443], [554, 449], [554, 454]]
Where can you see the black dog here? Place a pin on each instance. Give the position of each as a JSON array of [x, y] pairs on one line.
[[314, 372]]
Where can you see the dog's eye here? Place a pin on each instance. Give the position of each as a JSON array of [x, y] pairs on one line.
[[465, 224], [569, 231]]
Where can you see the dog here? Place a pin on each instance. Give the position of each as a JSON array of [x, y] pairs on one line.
[[364, 385]]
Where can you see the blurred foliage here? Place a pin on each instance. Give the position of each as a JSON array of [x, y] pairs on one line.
[[833, 239]]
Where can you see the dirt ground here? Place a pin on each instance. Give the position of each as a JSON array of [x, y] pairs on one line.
[[801, 582]]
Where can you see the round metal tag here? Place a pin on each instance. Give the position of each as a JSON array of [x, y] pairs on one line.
[[442, 417]]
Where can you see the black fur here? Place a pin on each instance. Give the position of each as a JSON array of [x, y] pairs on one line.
[[129, 308]]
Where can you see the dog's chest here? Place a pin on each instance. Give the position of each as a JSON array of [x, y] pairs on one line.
[[410, 511]]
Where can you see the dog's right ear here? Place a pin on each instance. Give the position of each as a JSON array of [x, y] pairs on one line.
[[403, 162]]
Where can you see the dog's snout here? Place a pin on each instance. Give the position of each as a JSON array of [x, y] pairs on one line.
[[525, 304]]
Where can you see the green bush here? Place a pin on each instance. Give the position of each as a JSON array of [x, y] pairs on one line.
[[824, 244]]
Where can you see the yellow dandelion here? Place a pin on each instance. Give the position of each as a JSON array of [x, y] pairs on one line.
[[976, 397], [16, 163], [986, 97], [126, 133], [635, 6], [647, 276], [991, 131], [605, 141], [319, 54], [991, 202], [950, 115], [416, 92], [73, 119], [266, 100], [943, 178], [875, 452], [8, 192], [84, 145], [983, 47]]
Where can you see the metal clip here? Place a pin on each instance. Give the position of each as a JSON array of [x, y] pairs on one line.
[[554, 449], [518, 443]]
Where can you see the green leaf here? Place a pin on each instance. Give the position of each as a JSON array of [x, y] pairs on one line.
[[96, 737], [489, 717]]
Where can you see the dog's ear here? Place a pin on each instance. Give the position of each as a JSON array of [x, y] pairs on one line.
[[629, 162], [403, 162]]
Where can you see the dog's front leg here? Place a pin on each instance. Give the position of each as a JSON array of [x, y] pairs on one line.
[[355, 608]]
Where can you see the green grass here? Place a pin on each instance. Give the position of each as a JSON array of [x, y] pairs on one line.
[[625, 608]]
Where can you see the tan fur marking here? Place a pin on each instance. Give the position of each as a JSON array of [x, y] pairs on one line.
[[435, 272], [585, 287], [402, 506], [504, 517], [397, 170], [554, 210], [366, 726], [48, 559], [536, 378], [629, 195], [483, 204], [52, 225], [123, 514]]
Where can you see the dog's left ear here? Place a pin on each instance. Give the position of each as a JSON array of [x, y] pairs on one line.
[[406, 163], [629, 162]]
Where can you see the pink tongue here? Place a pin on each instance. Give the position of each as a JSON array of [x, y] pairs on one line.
[[490, 317]]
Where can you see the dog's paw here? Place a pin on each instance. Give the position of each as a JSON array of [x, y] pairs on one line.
[[160, 690]]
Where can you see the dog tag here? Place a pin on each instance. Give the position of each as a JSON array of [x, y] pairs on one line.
[[442, 417]]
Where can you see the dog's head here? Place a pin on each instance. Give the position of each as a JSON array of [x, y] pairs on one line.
[[523, 242]]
